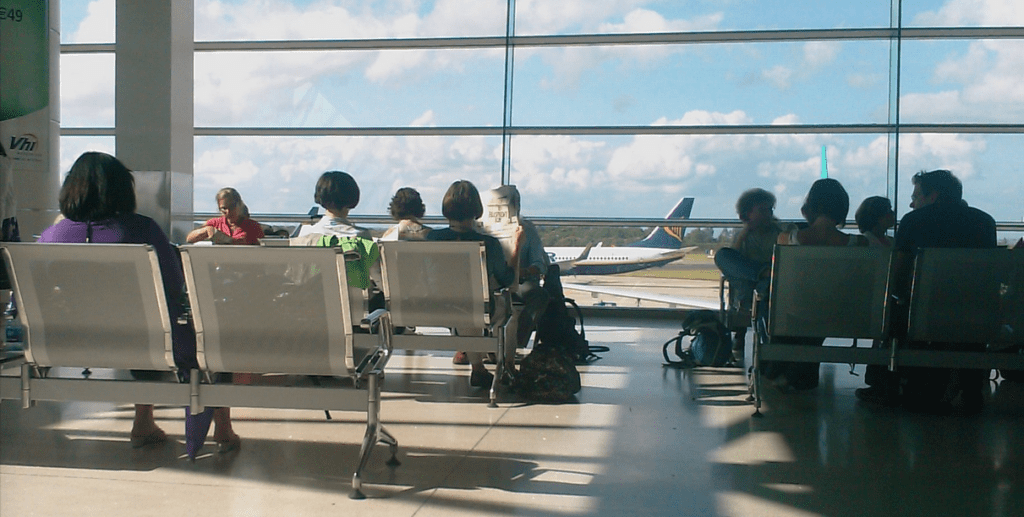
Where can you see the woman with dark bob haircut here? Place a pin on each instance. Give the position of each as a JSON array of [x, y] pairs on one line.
[[825, 209], [336, 190], [462, 207], [97, 201], [338, 193], [407, 208]]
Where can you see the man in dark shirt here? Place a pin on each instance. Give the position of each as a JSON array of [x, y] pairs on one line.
[[940, 219]]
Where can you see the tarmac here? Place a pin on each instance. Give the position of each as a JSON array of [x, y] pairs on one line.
[[662, 280]]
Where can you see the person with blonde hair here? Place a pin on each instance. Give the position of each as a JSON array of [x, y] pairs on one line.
[[233, 226]]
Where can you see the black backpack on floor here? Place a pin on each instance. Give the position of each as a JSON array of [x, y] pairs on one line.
[[709, 343], [548, 373], [560, 320]]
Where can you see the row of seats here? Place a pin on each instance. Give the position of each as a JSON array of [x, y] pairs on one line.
[[257, 310], [956, 296]]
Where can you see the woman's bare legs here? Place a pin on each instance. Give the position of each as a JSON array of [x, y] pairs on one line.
[[223, 434], [144, 428]]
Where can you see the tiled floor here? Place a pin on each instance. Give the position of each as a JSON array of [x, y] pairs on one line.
[[642, 440]]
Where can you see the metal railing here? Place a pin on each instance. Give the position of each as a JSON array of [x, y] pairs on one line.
[[623, 222]]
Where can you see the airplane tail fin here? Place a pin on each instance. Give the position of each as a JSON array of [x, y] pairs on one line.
[[669, 236]]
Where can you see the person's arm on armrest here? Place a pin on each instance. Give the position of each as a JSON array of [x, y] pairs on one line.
[[204, 233]]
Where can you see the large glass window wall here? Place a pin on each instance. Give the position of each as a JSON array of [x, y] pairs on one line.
[[613, 109]]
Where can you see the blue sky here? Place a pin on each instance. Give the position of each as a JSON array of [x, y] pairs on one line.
[[754, 83]]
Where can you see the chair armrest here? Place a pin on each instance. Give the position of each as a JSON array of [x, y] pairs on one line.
[[374, 362], [724, 302], [502, 300], [373, 319]]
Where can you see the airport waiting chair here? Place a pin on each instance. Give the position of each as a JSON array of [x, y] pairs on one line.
[[966, 296], [444, 284], [275, 311], [91, 306], [824, 292]]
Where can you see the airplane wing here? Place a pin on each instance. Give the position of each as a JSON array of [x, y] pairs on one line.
[[641, 295], [567, 264]]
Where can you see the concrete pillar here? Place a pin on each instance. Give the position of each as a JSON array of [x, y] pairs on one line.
[[154, 107]]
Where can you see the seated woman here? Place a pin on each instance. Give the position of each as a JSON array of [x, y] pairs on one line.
[[338, 193], [97, 201], [407, 208], [233, 227], [462, 207], [825, 210], [874, 217]]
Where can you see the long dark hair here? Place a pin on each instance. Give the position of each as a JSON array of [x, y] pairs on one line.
[[98, 187]]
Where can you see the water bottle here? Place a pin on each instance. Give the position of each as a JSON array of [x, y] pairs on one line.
[[13, 335]]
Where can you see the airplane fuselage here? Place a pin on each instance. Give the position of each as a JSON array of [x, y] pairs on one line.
[[663, 245], [612, 260]]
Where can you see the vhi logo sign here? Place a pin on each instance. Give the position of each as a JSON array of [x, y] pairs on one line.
[[25, 143]]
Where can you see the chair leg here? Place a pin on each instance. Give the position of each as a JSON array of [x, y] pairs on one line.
[[499, 371], [375, 432], [755, 371]]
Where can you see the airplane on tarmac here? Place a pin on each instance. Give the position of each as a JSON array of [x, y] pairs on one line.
[[661, 246]]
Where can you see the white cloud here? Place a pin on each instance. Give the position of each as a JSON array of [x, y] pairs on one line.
[[612, 176], [819, 53], [992, 13], [223, 168], [986, 77], [427, 119], [568, 16], [989, 76], [87, 90], [964, 69], [570, 65], [864, 81], [779, 76], [709, 118], [96, 27], [941, 151], [1001, 82], [645, 20]]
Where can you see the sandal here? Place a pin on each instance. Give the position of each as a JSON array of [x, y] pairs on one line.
[[154, 437], [231, 444], [481, 379]]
